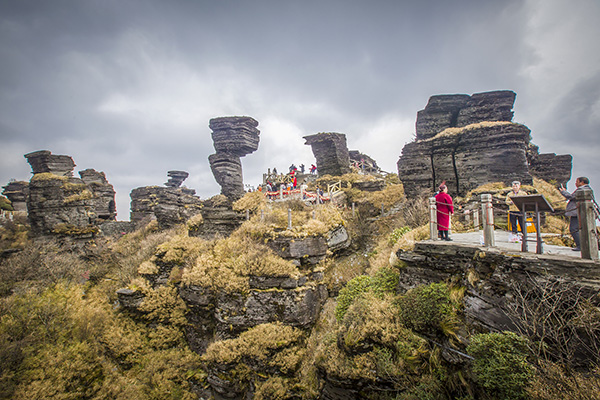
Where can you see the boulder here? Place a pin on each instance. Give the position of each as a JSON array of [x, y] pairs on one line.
[[168, 205], [227, 170]]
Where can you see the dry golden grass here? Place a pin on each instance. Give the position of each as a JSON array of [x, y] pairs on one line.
[[457, 131]]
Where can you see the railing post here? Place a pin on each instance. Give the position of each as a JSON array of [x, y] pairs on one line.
[[587, 224], [467, 217], [289, 218], [487, 213], [476, 218], [353, 210], [281, 192], [262, 215], [433, 231], [247, 215]]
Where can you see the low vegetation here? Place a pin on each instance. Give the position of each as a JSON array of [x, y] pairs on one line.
[[63, 334]]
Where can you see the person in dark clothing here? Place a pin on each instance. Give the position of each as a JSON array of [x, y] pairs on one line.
[[581, 183]]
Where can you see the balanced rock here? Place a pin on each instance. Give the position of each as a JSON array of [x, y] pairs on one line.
[[176, 178], [233, 137], [236, 135], [331, 152]]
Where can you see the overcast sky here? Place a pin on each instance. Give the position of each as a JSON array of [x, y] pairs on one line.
[[127, 87]]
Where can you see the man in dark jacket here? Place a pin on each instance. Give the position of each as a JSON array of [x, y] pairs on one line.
[[582, 183]]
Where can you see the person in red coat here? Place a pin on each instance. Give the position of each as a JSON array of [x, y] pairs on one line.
[[445, 208]]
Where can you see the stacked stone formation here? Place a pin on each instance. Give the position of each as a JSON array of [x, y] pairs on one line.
[[57, 201], [458, 110], [17, 192], [103, 201], [44, 161], [176, 178], [331, 152], [233, 137], [494, 152], [168, 205], [357, 156]]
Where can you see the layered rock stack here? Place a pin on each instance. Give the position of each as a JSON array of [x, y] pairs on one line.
[[233, 138], [468, 141], [176, 178], [169, 205], [17, 192], [59, 203], [331, 152]]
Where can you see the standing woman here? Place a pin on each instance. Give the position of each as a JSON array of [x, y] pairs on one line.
[[444, 210]]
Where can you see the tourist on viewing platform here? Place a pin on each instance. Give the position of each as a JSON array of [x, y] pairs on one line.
[[581, 183], [514, 216], [313, 169], [445, 208], [301, 168]]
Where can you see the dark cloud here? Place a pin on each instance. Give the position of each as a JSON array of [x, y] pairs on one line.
[[128, 87]]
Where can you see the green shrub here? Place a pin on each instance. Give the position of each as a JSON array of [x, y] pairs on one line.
[[428, 309], [397, 234], [385, 281], [349, 293], [500, 364]]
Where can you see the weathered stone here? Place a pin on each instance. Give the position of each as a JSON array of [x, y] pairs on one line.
[[218, 219], [60, 205], [227, 169], [489, 274], [370, 186], [176, 178], [168, 205], [103, 193], [44, 161], [301, 251], [17, 192], [363, 161], [338, 239], [235, 135], [331, 152], [297, 307], [494, 152], [440, 113], [130, 299], [487, 106], [552, 168]]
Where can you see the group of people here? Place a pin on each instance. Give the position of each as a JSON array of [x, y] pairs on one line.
[[445, 208]]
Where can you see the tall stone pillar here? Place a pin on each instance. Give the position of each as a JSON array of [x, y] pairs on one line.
[[233, 138]]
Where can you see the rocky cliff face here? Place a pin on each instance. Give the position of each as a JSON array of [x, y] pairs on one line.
[[468, 141], [59, 203], [233, 137], [331, 152]]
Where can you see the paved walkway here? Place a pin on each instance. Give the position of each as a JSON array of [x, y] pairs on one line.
[[502, 243]]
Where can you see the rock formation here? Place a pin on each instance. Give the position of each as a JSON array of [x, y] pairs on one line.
[[331, 152], [17, 192], [467, 141], [363, 161], [169, 205], [233, 137], [218, 219], [549, 166], [176, 178], [59, 203]]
